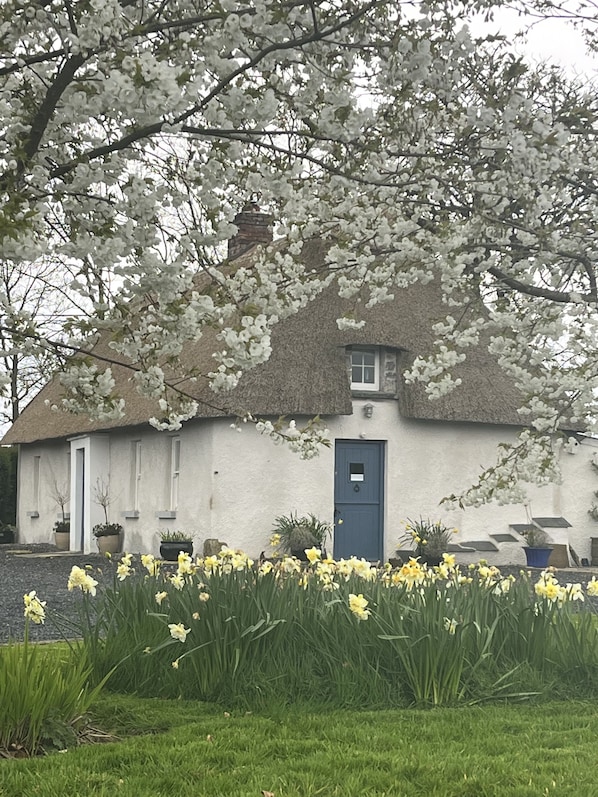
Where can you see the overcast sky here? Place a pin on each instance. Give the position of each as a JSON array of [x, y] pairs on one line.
[[551, 40]]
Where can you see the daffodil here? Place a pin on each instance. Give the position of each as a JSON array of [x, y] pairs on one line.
[[177, 581], [160, 596], [79, 578], [358, 605], [450, 625], [34, 608], [178, 631], [151, 564], [313, 555], [123, 571], [574, 592], [449, 559], [185, 564], [211, 563]]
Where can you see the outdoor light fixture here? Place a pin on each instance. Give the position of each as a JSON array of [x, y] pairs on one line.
[[368, 410]]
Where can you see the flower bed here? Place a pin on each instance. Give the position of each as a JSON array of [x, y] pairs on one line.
[[226, 628]]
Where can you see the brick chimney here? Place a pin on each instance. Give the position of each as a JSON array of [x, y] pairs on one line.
[[253, 228]]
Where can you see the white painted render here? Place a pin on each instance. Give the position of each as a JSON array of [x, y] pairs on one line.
[[232, 485]]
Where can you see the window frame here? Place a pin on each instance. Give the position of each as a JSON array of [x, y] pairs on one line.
[[175, 472], [135, 474], [37, 470], [371, 387]]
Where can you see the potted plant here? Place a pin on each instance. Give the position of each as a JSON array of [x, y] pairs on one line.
[[108, 535], [7, 533], [173, 542], [62, 534], [294, 535], [538, 548], [431, 539]]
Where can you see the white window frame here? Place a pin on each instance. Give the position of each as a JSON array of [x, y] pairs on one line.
[[370, 386], [135, 474], [37, 467], [175, 472]]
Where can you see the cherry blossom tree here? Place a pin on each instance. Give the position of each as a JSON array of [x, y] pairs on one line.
[[133, 132]]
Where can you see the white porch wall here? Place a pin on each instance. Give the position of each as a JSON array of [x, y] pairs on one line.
[[232, 485]]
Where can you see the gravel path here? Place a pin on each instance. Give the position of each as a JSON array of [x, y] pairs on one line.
[[39, 567]]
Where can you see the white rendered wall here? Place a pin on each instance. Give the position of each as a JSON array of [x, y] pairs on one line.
[[37, 514], [232, 485]]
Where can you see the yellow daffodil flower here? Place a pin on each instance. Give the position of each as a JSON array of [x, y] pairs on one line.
[[34, 608], [178, 631]]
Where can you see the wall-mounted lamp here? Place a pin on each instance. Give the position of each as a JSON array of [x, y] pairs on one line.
[[368, 410]]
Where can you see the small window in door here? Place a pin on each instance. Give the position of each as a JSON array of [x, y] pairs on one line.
[[356, 472]]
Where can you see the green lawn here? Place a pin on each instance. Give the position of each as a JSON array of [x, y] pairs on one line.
[[187, 749]]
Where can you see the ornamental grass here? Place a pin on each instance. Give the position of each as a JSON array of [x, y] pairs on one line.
[[343, 632], [45, 694]]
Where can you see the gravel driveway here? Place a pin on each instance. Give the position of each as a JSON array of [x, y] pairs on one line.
[[39, 567]]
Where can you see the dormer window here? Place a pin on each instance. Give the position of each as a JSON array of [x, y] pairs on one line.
[[365, 369]]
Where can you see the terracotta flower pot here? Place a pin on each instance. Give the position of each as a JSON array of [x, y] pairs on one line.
[[62, 540], [110, 543]]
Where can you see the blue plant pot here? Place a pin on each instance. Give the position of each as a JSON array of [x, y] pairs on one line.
[[537, 557]]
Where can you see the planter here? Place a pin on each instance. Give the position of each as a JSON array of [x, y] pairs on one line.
[[299, 553], [169, 551], [537, 557], [109, 544], [62, 540], [430, 560]]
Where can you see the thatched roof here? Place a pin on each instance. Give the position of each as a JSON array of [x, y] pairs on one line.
[[307, 373]]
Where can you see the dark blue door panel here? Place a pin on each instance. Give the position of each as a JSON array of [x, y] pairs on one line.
[[358, 495]]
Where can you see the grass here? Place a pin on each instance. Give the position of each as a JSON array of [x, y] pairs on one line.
[[192, 749]]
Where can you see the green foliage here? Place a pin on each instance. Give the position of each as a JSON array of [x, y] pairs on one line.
[[430, 538], [44, 698], [338, 633], [296, 533], [107, 529], [535, 537], [175, 536]]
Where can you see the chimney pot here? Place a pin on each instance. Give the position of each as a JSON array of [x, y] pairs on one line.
[[253, 227]]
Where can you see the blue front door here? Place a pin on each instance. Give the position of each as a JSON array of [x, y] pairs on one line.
[[358, 499]]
